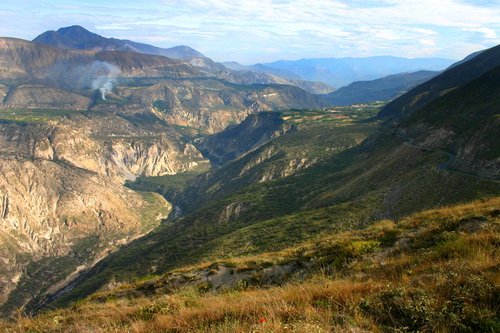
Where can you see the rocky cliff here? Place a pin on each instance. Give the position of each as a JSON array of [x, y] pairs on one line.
[[210, 105], [110, 154], [63, 205], [57, 219], [237, 140]]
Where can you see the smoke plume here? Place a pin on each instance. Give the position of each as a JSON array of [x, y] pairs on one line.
[[96, 75], [104, 78]]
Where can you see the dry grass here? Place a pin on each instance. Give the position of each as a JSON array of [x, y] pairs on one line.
[[313, 305], [434, 271]]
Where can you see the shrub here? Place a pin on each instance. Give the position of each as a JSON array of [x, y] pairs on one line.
[[151, 310], [400, 309]]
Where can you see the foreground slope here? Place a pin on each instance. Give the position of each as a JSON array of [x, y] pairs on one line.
[[435, 270]]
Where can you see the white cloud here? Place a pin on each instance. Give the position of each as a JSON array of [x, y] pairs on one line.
[[427, 42], [487, 32]]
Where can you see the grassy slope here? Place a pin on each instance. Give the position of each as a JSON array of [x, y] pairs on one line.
[[321, 135], [285, 155], [432, 271], [35, 115]]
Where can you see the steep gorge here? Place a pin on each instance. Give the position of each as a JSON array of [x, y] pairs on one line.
[[57, 219]]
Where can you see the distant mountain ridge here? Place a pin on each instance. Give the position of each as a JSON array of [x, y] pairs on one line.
[[383, 89], [262, 69], [317, 76], [281, 76], [339, 72], [77, 37]]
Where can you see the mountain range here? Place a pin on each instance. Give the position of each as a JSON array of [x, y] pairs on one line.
[[339, 72], [77, 37], [146, 193], [319, 76]]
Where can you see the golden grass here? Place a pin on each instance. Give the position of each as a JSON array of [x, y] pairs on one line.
[[441, 270], [292, 308]]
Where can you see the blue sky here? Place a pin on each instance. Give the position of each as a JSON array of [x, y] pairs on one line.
[[251, 31]]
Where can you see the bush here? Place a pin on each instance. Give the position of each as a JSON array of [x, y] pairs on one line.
[[151, 310], [400, 309], [471, 303]]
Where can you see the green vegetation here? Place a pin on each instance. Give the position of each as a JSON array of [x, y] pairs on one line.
[[162, 184], [35, 115], [155, 209], [433, 271], [339, 114], [316, 146], [160, 105]]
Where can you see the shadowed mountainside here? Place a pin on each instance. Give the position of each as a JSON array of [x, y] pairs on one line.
[[449, 80], [383, 89]]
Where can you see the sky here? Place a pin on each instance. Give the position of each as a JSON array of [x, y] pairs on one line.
[[251, 31]]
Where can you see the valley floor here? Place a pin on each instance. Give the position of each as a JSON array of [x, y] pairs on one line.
[[434, 271]]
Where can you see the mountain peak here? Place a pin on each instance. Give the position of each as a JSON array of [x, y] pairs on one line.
[[77, 37], [72, 27], [76, 30]]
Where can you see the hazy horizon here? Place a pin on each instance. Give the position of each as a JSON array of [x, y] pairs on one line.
[[272, 30]]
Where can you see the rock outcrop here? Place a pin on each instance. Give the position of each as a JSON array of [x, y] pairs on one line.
[[237, 140], [56, 219], [118, 157]]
